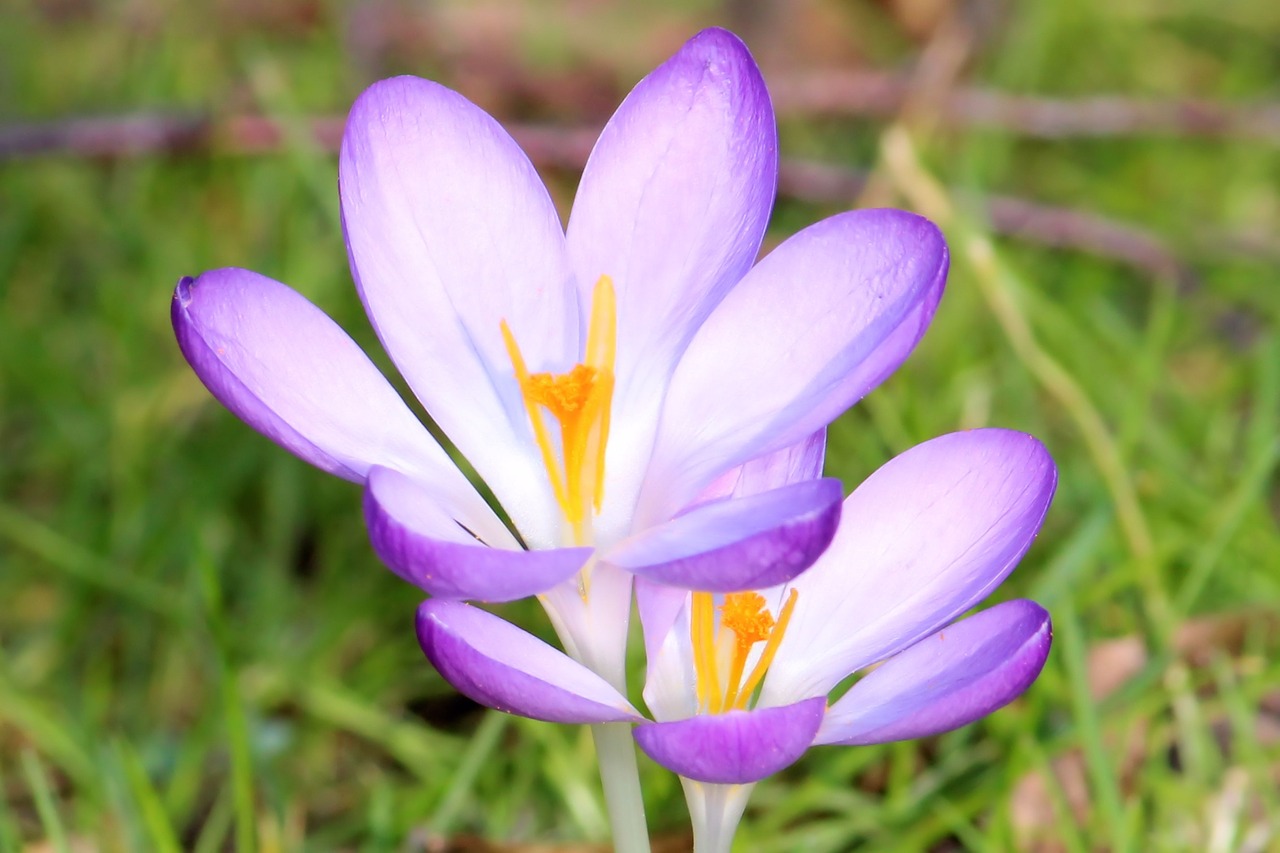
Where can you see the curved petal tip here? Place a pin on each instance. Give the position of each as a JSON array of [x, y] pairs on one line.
[[736, 544], [418, 539], [734, 748], [497, 664]]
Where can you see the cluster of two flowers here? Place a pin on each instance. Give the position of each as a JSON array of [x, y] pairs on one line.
[[649, 408]]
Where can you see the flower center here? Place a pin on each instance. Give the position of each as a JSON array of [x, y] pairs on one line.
[[723, 650], [580, 402]]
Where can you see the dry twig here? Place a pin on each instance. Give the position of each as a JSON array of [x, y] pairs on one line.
[[881, 95], [567, 148]]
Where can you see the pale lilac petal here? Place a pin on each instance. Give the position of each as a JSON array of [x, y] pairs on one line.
[[495, 663], [421, 543], [802, 461], [280, 364], [734, 748], [659, 607], [925, 538], [947, 680], [592, 617], [450, 232], [673, 206], [812, 328], [737, 544]]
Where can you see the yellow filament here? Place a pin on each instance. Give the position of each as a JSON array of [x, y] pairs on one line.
[[770, 649], [580, 401], [535, 417], [704, 653]]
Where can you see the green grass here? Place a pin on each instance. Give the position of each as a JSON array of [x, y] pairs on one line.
[[198, 650]]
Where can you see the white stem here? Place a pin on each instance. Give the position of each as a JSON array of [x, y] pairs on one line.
[[714, 811], [594, 632], [621, 777]]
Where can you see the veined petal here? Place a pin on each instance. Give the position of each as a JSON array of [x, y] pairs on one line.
[[801, 461], [673, 204], [421, 543], [926, 537], [495, 663], [670, 680], [592, 619], [737, 544], [812, 328], [280, 364], [947, 680], [737, 747], [450, 232]]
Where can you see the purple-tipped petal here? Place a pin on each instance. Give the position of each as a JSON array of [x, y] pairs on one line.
[[659, 607], [802, 461], [498, 665], [736, 544], [675, 197], [425, 546], [591, 619], [947, 680], [280, 364], [450, 231], [926, 537], [812, 328], [737, 747], [672, 205]]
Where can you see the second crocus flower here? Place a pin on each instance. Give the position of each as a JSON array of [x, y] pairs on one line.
[[741, 684]]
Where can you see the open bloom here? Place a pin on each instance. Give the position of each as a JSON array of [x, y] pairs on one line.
[[597, 380], [739, 685]]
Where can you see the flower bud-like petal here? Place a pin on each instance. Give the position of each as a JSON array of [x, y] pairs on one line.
[[736, 747], [495, 663], [738, 544]]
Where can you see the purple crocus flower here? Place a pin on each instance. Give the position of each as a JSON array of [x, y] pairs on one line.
[[739, 685], [598, 380]]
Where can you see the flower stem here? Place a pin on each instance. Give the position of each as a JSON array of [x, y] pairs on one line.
[[621, 777], [714, 811]]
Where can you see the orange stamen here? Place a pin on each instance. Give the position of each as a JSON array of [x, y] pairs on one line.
[[580, 401], [770, 649], [745, 615]]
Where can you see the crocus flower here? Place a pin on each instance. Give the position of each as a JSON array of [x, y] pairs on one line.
[[597, 380], [739, 685]]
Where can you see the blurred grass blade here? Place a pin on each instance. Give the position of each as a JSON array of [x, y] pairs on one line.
[[161, 833], [47, 809]]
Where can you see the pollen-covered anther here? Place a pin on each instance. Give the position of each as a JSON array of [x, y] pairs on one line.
[[746, 614], [564, 394]]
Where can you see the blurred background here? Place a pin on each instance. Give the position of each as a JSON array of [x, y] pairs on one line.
[[198, 650]]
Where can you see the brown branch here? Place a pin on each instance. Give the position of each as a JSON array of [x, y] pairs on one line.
[[567, 149], [882, 95], [1009, 216]]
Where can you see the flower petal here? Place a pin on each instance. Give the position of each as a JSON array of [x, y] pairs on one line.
[[495, 663], [802, 461], [948, 680], [672, 205], [450, 232], [736, 544], [280, 364], [421, 543], [592, 618], [670, 680], [737, 747], [926, 537], [777, 361]]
